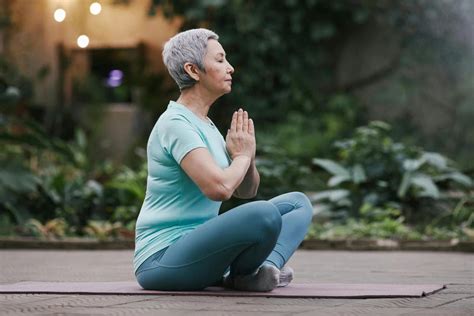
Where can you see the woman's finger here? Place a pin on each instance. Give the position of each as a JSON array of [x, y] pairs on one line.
[[251, 128], [239, 120], [233, 123], [245, 125]]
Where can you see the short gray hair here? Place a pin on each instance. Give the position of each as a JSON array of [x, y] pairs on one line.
[[188, 46]]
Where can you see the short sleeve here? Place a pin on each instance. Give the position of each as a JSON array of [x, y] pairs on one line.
[[178, 137]]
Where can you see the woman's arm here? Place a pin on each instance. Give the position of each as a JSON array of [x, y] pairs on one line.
[[216, 183], [249, 186]]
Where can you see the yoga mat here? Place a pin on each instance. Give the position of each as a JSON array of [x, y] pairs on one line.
[[316, 290]]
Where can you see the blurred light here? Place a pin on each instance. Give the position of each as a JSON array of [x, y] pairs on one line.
[[115, 78], [59, 15], [95, 8], [116, 74], [113, 83], [83, 41]]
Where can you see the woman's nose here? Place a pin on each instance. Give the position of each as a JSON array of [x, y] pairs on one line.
[[230, 69]]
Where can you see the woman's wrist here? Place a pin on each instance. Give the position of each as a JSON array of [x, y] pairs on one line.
[[243, 158]]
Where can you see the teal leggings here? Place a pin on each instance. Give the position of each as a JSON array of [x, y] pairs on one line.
[[241, 239]]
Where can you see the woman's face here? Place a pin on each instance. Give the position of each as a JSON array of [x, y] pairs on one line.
[[218, 75]]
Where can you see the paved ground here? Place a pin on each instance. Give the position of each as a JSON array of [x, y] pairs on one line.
[[454, 269]]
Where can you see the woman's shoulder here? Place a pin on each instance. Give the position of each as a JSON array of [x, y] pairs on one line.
[[172, 119]]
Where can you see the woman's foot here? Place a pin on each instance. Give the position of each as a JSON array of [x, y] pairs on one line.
[[265, 279], [286, 276]]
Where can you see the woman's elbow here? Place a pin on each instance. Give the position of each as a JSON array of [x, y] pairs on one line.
[[218, 193]]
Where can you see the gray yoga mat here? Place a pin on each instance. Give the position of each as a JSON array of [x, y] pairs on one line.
[[317, 290]]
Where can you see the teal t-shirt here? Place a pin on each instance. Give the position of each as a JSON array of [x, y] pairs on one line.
[[174, 205]]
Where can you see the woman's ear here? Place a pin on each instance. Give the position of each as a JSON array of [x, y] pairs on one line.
[[192, 70]]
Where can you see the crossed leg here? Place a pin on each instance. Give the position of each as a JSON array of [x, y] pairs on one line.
[[244, 238]]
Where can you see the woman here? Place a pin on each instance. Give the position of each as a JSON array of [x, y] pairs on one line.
[[181, 242]]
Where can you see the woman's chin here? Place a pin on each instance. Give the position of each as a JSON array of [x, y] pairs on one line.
[[227, 90]]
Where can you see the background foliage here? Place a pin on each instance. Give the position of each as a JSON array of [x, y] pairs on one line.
[[379, 184], [288, 57]]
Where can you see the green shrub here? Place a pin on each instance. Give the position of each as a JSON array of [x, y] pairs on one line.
[[125, 193], [373, 169], [105, 230], [43, 177], [354, 229], [52, 229]]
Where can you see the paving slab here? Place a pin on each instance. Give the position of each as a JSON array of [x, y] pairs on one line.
[[454, 269]]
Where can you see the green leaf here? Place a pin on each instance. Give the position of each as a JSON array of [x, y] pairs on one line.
[[331, 195], [332, 167], [25, 139], [456, 177], [435, 159], [413, 164], [19, 213], [322, 209], [380, 125], [135, 188], [427, 184], [18, 179], [336, 180], [358, 174], [405, 184], [94, 187]]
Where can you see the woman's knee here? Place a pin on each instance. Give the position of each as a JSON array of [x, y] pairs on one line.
[[302, 201], [271, 217], [265, 218], [298, 196]]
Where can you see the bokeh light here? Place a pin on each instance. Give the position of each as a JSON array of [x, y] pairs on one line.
[[59, 15], [83, 41], [95, 8], [115, 78]]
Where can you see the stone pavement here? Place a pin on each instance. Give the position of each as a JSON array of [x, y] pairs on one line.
[[454, 269]]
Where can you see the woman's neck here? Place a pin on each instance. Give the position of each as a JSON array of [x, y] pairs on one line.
[[198, 103]]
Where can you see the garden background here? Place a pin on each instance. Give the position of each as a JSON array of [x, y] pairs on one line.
[[366, 106]]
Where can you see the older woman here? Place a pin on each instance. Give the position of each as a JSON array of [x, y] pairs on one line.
[[181, 242]]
